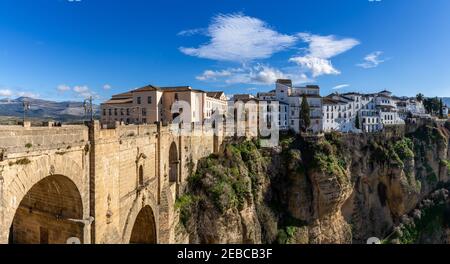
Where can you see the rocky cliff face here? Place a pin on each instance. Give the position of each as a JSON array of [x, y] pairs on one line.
[[334, 189]]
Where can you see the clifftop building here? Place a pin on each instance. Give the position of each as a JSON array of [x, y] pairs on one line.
[[151, 104], [288, 94]]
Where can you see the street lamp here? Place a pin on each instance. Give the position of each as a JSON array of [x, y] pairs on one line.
[[88, 109], [26, 107]]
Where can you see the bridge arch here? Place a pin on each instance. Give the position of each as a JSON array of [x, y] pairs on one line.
[[44, 214], [50, 188], [144, 228], [142, 222]]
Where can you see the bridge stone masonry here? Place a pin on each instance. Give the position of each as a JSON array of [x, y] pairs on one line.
[[90, 184]]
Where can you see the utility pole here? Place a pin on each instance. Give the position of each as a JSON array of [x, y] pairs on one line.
[[88, 109], [26, 107]]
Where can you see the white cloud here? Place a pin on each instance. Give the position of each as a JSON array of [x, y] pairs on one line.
[[317, 66], [28, 94], [372, 60], [214, 75], [6, 93], [107, 87], [84, 92], [191, 32], [80, 89], [240, 38], [319, 52], [258, 74], [63, 88], [337, 87], [326, 47]]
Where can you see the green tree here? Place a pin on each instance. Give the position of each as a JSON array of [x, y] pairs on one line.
[[436, 105], [441, 109], [357, 124], [305, 119], [432, 105], [420, 97]]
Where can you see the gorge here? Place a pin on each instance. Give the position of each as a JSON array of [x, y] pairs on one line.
[[339, 188]]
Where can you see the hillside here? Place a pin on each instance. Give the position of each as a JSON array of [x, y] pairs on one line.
[[42, 110]]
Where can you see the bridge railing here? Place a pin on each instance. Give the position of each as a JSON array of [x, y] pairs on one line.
[[14, 139]]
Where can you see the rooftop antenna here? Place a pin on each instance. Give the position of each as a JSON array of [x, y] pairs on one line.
[[88, 109]]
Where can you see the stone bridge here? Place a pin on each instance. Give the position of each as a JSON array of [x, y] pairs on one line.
[[88, 184]]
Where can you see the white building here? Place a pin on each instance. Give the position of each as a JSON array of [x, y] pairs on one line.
[[445, 111], [374, 111], [288, 94], [215, 102], [282, 112]]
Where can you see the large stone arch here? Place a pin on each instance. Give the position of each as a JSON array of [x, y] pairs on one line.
[[24, 177], [49, 213], [141, 202]]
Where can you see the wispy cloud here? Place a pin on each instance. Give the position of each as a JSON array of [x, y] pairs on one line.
[[6, 93], [240, 38], [319, 52], [28, 94], [85, 92], [341, 86], [214, 75], [191, 32], [258, 74], [63, 88], [17, 92], [372, 60], [107, 87], [246, 40]]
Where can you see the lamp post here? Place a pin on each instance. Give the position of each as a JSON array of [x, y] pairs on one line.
[[26, 107], [88, 109]]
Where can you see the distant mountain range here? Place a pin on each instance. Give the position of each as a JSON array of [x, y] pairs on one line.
[[44, 109]]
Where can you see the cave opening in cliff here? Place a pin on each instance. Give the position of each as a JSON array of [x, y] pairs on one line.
[[48, 212], [144, 229]]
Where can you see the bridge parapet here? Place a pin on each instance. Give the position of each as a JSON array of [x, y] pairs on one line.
[[17, 139]]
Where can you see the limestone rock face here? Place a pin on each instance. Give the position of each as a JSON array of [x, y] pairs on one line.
[[334, 189]]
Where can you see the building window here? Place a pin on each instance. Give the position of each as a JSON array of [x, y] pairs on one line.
[[115, 111], [176, 96], [104, 112], [128, 111], [121, 111], [138, 100], [144, 111], [149, 100], [110, 111], [144, 120]]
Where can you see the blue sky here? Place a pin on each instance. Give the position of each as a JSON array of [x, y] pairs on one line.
[[65, 50]]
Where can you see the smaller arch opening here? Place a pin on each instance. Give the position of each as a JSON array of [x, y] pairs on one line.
[[144, 229], [173, 163]]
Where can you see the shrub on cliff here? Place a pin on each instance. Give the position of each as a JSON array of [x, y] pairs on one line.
[[325, 159], [404, 149]]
